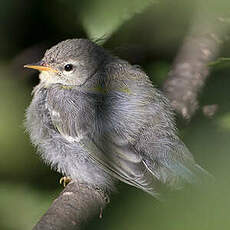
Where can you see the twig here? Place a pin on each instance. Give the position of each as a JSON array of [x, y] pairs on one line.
[[76, 204]]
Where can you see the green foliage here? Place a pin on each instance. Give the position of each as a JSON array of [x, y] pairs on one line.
[[21, 205], [220, 61], [101, 18]]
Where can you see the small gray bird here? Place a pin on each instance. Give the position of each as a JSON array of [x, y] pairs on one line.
[[97, 119]]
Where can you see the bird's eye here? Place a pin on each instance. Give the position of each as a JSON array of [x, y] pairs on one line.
[[68, 67]]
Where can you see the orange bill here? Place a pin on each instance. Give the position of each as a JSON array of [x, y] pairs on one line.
[[40, 68]]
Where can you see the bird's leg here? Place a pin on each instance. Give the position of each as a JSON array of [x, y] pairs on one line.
[[65, 180]]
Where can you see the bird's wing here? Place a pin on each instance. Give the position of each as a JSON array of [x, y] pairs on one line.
[[118, 157], [165, 154], [112, 152], [171, 161]]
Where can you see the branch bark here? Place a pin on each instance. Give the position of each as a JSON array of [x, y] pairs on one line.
[[75, 205], [191, 66]]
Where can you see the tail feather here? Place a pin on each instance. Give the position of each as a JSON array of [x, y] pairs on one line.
[[177, 168]]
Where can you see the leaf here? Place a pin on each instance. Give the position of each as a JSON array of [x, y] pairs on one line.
[[101, 18], [219, 61]]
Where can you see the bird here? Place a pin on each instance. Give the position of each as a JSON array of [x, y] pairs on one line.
[[98, 120]]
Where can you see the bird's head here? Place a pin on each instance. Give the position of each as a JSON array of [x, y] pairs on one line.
[[70, 62]]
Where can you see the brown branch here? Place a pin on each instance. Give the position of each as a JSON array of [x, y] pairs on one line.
[[190, 69], [76, 204]]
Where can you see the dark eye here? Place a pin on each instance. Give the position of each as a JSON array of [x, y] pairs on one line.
[[68, 67]]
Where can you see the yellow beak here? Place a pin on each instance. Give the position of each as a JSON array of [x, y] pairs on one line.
[[40, 67]]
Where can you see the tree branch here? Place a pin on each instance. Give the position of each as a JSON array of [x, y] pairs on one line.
[[75, 205], [190, 69]]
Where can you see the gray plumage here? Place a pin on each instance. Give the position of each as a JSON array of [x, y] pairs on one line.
[[103, 121]]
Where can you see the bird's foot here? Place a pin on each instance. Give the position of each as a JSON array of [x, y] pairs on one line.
[[65, 180]]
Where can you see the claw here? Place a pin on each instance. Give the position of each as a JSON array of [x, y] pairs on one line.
[[65, 180]]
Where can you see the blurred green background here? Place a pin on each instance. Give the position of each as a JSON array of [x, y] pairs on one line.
[[147, 33]]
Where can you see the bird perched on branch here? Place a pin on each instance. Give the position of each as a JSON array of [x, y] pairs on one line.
[[97, 119]]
